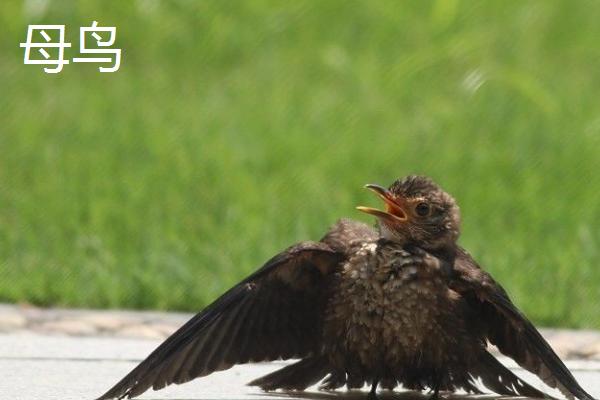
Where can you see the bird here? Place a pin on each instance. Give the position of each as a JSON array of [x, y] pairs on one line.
[[397, 304]]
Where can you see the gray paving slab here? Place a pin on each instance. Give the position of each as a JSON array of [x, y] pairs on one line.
[[37, 366], [568, 343]]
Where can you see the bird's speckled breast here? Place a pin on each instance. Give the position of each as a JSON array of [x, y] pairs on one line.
[[392, 308]]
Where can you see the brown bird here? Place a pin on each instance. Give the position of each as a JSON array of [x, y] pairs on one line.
[[400, 305]]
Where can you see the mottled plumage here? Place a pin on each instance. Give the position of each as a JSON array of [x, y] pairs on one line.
[[401, 305]]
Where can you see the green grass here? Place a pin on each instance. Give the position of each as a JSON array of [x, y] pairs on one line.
[[234, 129]]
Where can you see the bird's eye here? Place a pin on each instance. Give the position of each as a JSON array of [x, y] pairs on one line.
[[422, 209]]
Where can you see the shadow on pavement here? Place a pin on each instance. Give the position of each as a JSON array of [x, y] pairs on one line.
[[362, 395], [382, 395]]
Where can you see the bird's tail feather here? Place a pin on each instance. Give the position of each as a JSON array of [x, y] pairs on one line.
[[297, 376]]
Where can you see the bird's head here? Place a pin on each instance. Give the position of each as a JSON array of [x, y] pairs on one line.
[[417, 211]]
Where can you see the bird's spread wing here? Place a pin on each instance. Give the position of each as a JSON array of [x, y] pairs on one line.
[[272, 314], [508, 329]]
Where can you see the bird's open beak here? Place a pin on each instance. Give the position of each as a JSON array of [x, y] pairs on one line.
[[394, 211]]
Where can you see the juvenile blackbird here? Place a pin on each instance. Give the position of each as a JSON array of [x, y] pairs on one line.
[[399, 305]]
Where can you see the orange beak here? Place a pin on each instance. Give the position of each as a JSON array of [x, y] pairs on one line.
[[394, 211]]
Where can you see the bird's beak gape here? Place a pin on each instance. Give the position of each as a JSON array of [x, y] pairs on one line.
[[394, 211]]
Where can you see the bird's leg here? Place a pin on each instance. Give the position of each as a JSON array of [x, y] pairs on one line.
[[436, 393], [373, 393], [436, 387]]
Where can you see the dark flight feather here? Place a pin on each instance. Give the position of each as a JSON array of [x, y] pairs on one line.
[[225, 333], [509, 330], [501, 380], [297, 376]]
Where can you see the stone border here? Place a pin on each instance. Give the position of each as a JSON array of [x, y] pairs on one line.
[[569, 344], [84, 322]]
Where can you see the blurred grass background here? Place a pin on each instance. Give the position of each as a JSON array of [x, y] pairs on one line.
[[234, 129]]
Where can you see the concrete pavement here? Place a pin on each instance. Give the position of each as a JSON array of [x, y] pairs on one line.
[[79, 354], [35, 366]]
